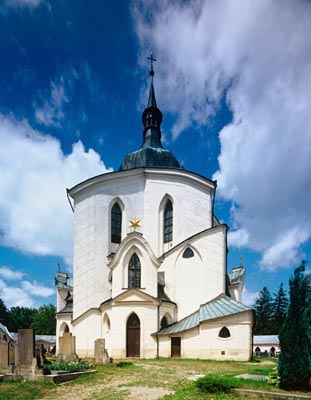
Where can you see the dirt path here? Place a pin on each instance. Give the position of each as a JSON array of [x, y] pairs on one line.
[[147, 381]]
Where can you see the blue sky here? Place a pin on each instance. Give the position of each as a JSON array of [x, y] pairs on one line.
[[233, 83]]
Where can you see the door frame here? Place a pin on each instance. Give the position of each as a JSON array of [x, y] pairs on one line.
[[176, 346], [138, 333]]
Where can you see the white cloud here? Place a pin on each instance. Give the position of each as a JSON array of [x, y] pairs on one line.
[[36, 289], [2, 285], [16, 297], [249, 297], [23, 293], [8, 274], [34, 212], [287, 244], [52, 104], [257, 54], [238, 238], [22, 3], [51, 112]]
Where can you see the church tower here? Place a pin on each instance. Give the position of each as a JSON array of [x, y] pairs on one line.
[[150, 261], [151, 153]]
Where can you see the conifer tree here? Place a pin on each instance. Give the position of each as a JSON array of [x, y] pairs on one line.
[[295, 335], [264, 310], [4, 313], [280, 305]]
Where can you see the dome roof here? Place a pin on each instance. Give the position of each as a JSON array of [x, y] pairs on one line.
[[150, 157]]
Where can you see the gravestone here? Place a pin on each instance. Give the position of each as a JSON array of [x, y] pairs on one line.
[[27, 361], [100, 353], [4, 355], [67, 348]]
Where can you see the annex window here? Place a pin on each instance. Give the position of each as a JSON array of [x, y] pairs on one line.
[[116, 223], [224, 332], [188, 253], [168, 222], [134, 272]]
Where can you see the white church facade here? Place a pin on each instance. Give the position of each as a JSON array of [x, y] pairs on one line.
[[150, 262]]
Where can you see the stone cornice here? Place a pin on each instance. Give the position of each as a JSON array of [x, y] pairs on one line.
[[143, 172]]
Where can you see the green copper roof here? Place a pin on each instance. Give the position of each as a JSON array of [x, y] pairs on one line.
[[221, 306], [151, 152], [150, 157]]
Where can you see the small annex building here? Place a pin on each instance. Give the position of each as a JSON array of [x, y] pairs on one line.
[[150, 262], [266, 345]]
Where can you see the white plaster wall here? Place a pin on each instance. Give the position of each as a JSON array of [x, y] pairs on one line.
[[60, 320], [266, 347], [147, 315], [140, 193], [237, 347], [236, 292], [92, 237], [194, 281], [191, 208], [148, 270], [203, 342], [188, 284], [87, 329]]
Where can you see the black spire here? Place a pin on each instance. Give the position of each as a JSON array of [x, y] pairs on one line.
[[152, 116], [151, 152], [151, 100]]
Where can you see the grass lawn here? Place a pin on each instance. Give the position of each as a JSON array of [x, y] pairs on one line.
[[168, 379]]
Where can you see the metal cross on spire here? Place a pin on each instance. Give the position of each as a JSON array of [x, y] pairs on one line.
[[152, 59]]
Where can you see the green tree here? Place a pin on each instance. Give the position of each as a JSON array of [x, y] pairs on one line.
[[263, 310], [279, 306], [4, 313], [44, 322], [295, 335], [20, 318]]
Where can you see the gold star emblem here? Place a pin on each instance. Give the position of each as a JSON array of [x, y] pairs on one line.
[[135, 223]]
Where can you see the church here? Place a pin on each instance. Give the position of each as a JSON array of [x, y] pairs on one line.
[[150, 262]]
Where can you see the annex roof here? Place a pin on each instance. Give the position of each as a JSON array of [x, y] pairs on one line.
[[6, 331], [219, 307], [44, 338], [265, 339]]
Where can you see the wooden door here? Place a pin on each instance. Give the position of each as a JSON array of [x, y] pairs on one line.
[[175, 346], [133, 336]]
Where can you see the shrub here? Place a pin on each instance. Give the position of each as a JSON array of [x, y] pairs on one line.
[[273, 378], [213, 384], [69, 367]]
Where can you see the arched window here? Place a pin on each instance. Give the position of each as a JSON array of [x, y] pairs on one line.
[[168, 222], [164, 323], [134, 272], [224, 332], [188, 253], [116, 223], [106, 322], [64, 329]]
